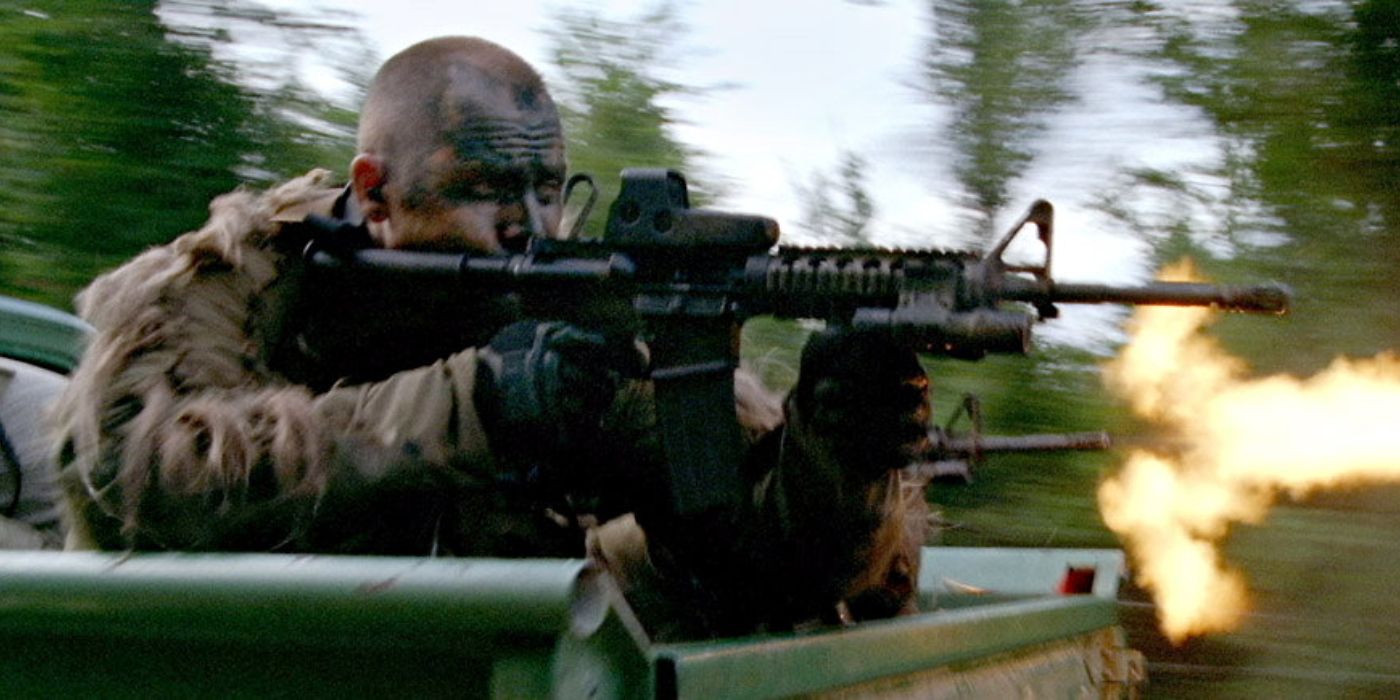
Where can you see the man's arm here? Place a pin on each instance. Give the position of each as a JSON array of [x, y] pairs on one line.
[[181, 440], [835, 525], [175, 434], [172, 446]]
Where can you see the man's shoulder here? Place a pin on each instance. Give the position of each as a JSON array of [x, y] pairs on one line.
[[312, 193], [247, 216], [241, 236]]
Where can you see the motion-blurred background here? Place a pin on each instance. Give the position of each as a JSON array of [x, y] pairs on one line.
[[1260, 139]]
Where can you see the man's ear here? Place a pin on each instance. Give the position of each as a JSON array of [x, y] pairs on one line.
[[367, 177]]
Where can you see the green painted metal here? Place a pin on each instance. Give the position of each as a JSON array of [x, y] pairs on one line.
[[41, 335], [794, 664], [281, 625], [958, 576], [1013, 611], [1091, 665], [274, 598], [258, 625]]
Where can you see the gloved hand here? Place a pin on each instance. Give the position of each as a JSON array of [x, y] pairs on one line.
[[544, 387], [865, 396]]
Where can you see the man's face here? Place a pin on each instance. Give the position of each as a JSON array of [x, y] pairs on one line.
[[487, 191]]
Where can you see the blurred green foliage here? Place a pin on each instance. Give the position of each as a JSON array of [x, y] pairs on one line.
[[1301, 97], [120, 120], [616, 102], [118, 129], [1003, 67]]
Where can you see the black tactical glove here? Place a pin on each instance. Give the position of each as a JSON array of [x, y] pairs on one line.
[[543, 389], [865, 396]]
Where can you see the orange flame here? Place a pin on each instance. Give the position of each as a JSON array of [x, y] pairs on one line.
[[1243, 442]]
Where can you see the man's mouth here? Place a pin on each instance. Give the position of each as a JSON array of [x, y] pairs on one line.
[[513, 245]]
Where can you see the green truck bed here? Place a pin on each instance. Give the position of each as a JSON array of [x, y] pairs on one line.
[[262, 625]]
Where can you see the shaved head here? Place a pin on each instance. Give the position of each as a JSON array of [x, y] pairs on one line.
[[452, 122], [463, 92]]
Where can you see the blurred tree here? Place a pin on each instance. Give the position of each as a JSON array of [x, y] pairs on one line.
[[296, 125], [118, 129], [1304, 95], [615, 100], [1302, 99], [1002, 66], [838, 212]]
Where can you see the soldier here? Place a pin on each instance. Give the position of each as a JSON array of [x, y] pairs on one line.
[[201, 417], [216, 409]]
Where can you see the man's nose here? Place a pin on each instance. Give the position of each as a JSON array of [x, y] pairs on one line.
[[520, 216]]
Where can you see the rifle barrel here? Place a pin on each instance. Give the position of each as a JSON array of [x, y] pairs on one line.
[[436, 268], [1262, 298], [963, 445]]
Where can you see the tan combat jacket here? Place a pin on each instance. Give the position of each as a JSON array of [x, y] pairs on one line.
[[176, 434]]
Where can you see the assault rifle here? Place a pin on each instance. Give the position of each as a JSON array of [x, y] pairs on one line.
[[952, 456], [687, 278]]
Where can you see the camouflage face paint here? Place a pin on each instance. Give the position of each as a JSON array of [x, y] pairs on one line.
[[507, 142]]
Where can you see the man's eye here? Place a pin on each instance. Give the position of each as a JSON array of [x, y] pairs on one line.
[[485, 192], [469, 191]]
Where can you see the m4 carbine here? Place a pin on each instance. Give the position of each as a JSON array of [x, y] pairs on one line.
[[687, 278]]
